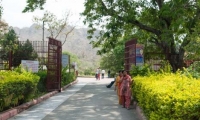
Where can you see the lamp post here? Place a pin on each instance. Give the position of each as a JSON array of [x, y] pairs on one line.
[[43, 31], [42, 44]]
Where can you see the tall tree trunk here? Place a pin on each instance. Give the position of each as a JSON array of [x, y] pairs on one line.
[[176, 60]]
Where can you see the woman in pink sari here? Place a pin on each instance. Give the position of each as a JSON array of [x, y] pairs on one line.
[[125, 91]]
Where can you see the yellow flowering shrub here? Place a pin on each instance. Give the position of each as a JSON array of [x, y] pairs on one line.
[[16, 88], [168, 96]]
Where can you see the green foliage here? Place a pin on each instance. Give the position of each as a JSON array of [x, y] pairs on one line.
[[23, 52], [73, 57], [1, 9], [165, 67], [113, 60], [9, 41], [89, 71], [67, 77], [34, 4], [168, 96], [19, 86], [142, 70], [16, 88], [193, 49], [19, 69], [193, 70], [41, 86], [153, 22]]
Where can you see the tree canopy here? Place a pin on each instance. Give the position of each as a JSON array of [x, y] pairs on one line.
[[21, 51], [9, 40], [56, 27], [34, 4], [114, 60], [169, 25]]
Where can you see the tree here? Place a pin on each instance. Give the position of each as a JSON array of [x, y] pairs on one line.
[[73, 57], [1, 10], [169, 25], [34, 4], [24, 51], [56, 27], [8, 40], [20, 51], [3, 30], [8, 43], [114, 60]]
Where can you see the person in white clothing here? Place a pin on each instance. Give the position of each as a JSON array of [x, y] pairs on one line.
[[102, 73]]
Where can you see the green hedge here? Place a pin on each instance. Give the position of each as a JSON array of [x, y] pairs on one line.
[[16, 88], [67, 78], [168, 96], [19, 86], [41, 86]]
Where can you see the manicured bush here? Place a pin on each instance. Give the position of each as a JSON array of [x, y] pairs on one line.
[[89, 71], [165, 67], [16, 88], [67, 77], [141, 70], [168, 96], [193, 70], [41, 86]]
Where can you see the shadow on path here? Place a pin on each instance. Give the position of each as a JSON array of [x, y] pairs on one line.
[[93, 102]]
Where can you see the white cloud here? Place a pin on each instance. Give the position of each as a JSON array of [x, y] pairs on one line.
[[13, 15]]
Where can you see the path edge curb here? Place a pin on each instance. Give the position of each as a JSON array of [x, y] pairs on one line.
[[16, 110], [139, 112]]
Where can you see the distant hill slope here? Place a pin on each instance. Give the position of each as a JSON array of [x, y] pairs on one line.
[[77, 43]]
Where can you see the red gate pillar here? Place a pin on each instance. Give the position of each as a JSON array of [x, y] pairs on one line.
[[10, 60], [130, 55], [54, 65]]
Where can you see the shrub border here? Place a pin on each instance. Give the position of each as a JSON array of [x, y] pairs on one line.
[[14, 111]]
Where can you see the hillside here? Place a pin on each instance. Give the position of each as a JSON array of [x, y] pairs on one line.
[[76, 43]]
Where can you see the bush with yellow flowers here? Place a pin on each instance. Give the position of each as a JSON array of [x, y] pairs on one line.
[[16, 88], [168, 96]]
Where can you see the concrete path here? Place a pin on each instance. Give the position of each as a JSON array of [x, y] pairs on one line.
[[87, 100]]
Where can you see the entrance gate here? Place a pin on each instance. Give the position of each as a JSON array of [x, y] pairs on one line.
[[54, 65]]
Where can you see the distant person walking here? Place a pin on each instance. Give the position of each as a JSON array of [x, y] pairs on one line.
[[125, 90], [98, 73], [108, 73], [102, 74]]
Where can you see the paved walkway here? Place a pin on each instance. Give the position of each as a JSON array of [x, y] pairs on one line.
[[87, 100]]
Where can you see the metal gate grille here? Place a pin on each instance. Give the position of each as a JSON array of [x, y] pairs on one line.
[[5, 60], [54, 65], [8, 59]]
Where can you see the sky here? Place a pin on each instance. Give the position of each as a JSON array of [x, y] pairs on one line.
[[12, 11]]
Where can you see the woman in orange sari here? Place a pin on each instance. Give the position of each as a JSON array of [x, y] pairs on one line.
[[118, 84], [125, 91]]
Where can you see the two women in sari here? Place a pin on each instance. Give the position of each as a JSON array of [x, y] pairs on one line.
[[125, 90]]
